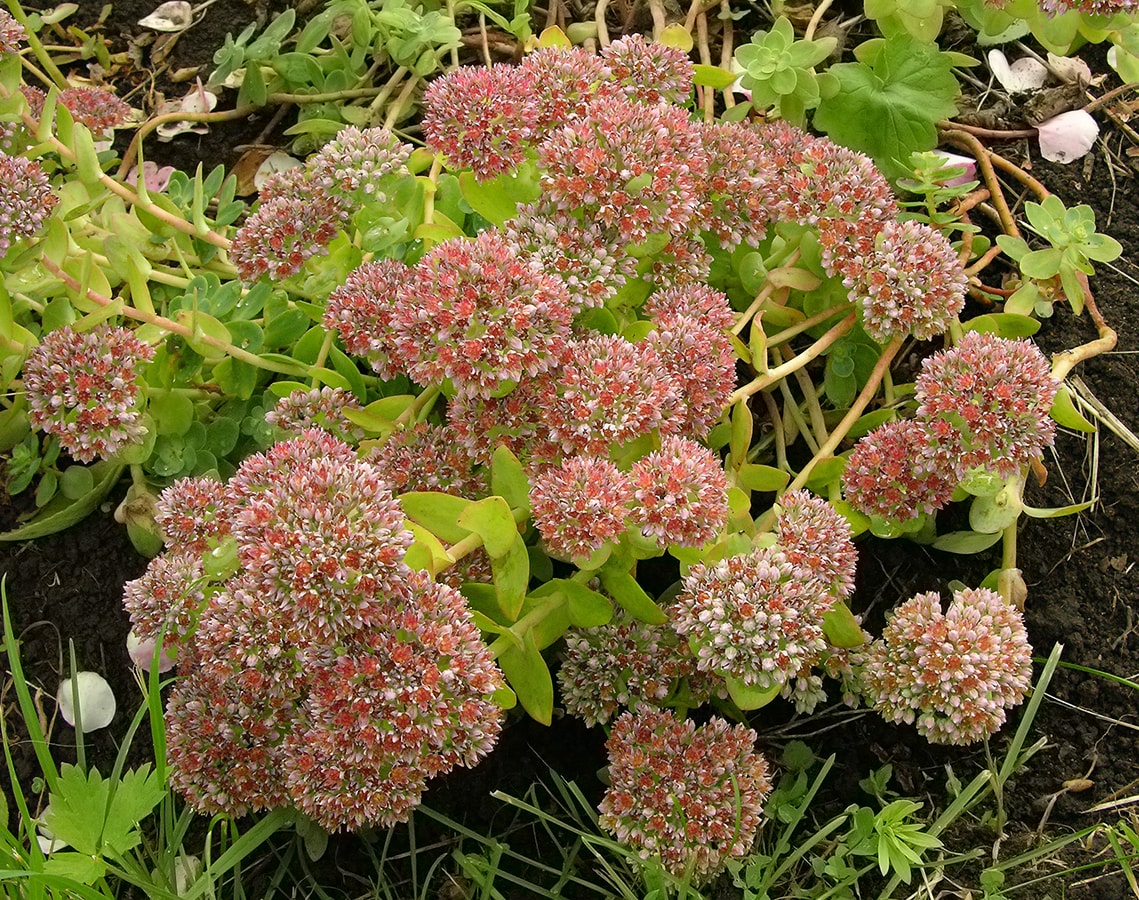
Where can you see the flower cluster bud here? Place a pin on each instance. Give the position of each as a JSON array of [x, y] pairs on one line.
[[26, 200], [317, 670], [691, 798], [954, 673], [83, 387]]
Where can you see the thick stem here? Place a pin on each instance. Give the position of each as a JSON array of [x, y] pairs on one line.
[[796, 362], [173, 327], [853, 414]]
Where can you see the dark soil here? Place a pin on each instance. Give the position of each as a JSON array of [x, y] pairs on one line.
[[1081, 573]]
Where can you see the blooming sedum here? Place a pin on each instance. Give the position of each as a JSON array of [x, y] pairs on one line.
[[689, 797], [625, 664], [317, 408], [896, 473], [812, 534], [913, 283], [11, 33], [316, 669], [637, 168], [697, 358], [987, 402], [26, 200], [356, 162], [98, 109], [580, 505], [83, 387], [681, 492], [362, 309], [425, 457], [482, 119], [955, 673], [757, 618], [649, 72], [481, 315], [608, 392], [295, 221]]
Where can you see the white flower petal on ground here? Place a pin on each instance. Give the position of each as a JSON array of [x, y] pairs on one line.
[[96, 701], [1026, 74], [1068, 136], [176, 15]]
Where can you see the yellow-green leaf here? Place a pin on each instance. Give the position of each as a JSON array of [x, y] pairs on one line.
[[623, 588], [530, 679], [841, 627], [1066, 415], [492, 520], [437, 512], [511, 577]]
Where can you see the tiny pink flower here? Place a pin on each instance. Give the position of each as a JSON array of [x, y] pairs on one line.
[[11, 34], [579, 505], [295, 221], [83, 387], [608, 392], [192, 514], [362, 311], [98, 109], [481, 315], [482, 119], [167, 598], [689, 797], [955, 673], [426, 457], [357, 163], [986, 402], [317, 408], [639, 169], [738, 169], [913, 283], [681, 493], [699, 362], [565, 81], [704, 304], [154, 178]]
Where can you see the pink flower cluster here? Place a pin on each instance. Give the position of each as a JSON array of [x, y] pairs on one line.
[[317, 408], [758, 618], [689, 797], [83, 387], [982, 405], [11, 34], [301, 210], [26, 200], [626, 664], [1089, 7], [98, 109], [472, 311], [953, 673], [910, 283], [316, 669], [676, 495]]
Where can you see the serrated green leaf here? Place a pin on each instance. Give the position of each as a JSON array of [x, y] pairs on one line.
[[889, 108], [587, 609], [713, 77], [1056, 512]]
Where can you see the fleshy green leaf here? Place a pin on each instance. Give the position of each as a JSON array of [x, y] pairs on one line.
[[1066, 415], [511, 577], [624, 588], [437, 512], [492, 520], [508, 479], [63, 512], [529, 677], [747, 698], [841, 627], [965, 542], [587, 609]]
